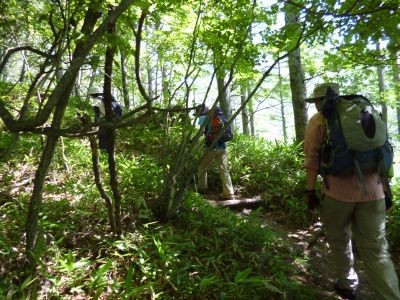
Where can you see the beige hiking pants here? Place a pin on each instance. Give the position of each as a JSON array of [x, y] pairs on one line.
[[221, 159], [364, 223]]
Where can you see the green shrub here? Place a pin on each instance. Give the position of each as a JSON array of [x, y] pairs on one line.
[[208, 253], [393, 218], [271, 169], [141, 182]]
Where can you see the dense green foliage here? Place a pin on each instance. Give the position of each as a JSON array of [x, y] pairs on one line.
[[393, 224], [138, 230], [262, 167], [206, 253]]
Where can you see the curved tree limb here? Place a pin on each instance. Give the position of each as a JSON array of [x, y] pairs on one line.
[[73, 132], [138, 36], [97, 174], [68, 78], [22, 48]]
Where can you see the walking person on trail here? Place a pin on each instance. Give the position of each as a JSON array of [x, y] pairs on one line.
[[99, 113], [351, 211], [217, 153]]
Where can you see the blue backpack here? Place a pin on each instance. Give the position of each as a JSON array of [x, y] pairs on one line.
[[356, 138], [117, 109], [217, 122]]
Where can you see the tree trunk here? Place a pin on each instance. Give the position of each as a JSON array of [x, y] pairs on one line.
[[32, 221], [222, 93], [282, 105], [252, 121], [150, 79], [166, 95], [98, 180], [297, 86], [110, 132], [396, 81], [381, 83], [251, 113], [245, 112], [125, 93], [23, 69]]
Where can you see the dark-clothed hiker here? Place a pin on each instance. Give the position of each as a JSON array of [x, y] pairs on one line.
[[99, 113]]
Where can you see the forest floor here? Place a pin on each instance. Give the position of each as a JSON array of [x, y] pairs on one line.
[[312, 243]]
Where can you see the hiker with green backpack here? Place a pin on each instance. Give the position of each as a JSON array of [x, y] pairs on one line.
[[346, 144]]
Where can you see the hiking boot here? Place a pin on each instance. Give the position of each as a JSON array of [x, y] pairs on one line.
[[226, 197], [344, 292]]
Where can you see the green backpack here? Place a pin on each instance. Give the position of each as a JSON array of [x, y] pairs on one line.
[[356, 138]]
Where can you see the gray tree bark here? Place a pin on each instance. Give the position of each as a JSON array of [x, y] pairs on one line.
[[297, 85], [112, 166], [245, 112], [222, 92], [125, 93], [282, 106], [381, 83]]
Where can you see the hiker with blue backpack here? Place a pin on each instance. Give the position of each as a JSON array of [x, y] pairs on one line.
[[97, 96], [215, 149], [346, 143]]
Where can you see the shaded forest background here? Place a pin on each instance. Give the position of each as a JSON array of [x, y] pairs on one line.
[[77, 222]]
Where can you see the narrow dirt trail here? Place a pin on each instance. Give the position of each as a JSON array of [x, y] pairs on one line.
[[313, 244]]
